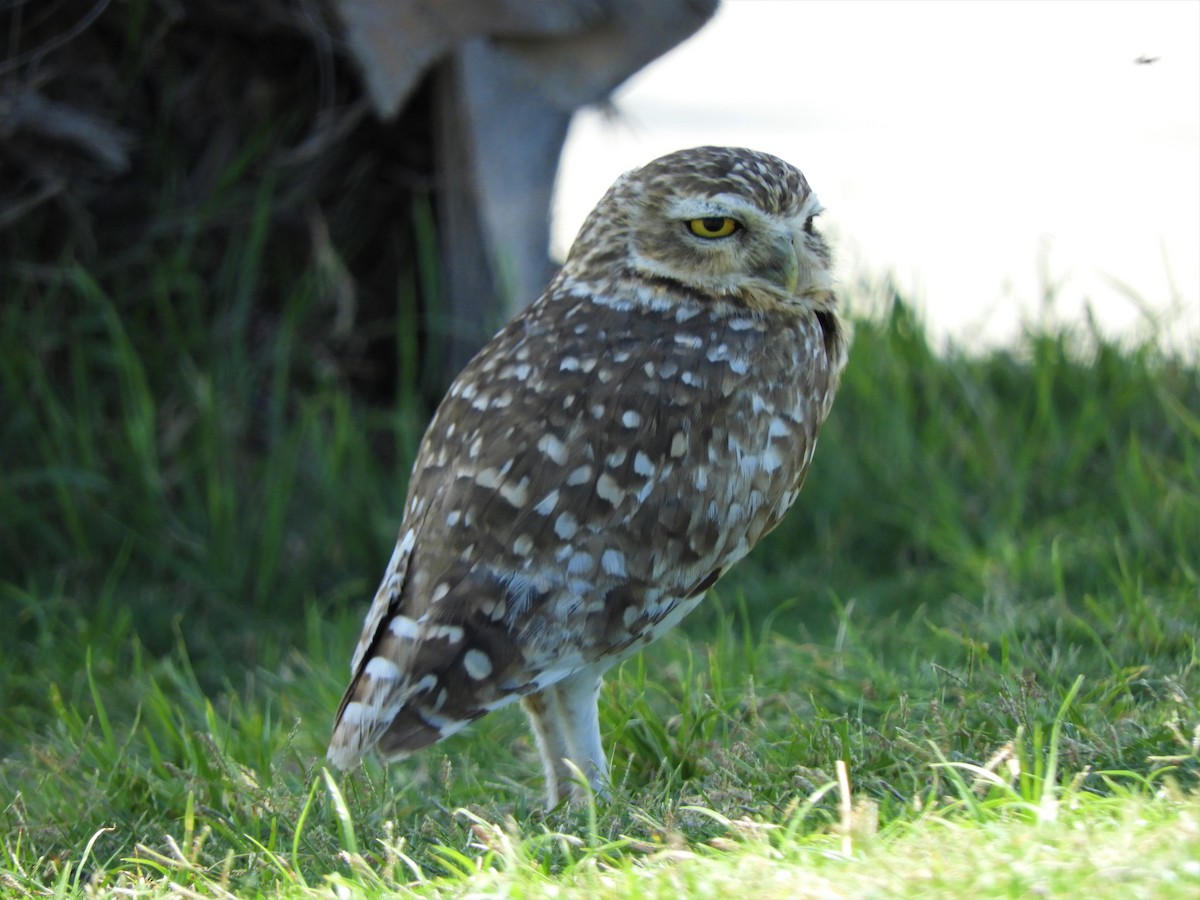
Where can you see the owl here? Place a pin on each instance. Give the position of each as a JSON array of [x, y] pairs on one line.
[[603, 461]]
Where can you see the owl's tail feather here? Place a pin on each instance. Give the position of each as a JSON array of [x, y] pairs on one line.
[[394, 733]]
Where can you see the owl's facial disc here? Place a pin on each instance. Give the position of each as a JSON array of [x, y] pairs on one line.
[[726, 245]]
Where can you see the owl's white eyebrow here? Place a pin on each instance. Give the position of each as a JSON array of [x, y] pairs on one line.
[[719, 206], [812, 207]]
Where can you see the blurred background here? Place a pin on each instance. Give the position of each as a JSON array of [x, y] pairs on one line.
[[986, 154]]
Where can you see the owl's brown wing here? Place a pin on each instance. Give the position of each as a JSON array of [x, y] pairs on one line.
[[585, 476]]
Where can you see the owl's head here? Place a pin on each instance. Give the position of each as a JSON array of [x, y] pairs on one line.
[[718, 221]]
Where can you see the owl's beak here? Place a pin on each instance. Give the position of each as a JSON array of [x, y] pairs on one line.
[[783, 267]]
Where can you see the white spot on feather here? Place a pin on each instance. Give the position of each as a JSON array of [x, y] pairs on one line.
[[613, 563], [516, 494], [580, 564], [356, 713], [404, 628], [488, 478], [546, 504], [477, 664], [553, 448], [608, 489], [428, 683], [405, 546], [642, 464], [450, 633], [565, 526], [382, 669]]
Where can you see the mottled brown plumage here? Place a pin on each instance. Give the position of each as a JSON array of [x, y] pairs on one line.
[[604, 459]]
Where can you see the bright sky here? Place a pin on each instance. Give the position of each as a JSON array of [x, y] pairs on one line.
[[976, 150]]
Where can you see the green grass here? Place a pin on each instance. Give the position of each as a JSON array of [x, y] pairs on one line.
[[985, 608]]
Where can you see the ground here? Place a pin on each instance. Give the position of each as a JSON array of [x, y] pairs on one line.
[[984, 606]]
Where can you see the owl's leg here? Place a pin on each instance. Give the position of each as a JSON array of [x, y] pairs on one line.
[[579, 718], [542, 710], [566, 724]]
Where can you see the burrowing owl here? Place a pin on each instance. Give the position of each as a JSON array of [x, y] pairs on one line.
[[604, 459]]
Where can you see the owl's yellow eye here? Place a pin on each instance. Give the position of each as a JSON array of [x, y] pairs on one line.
[[713, 227]]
